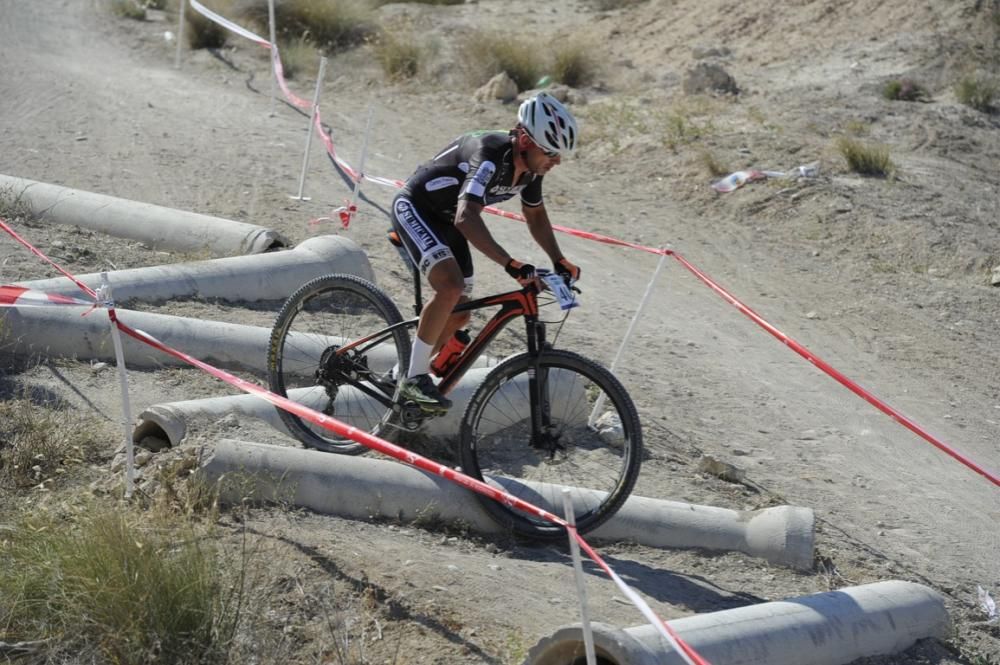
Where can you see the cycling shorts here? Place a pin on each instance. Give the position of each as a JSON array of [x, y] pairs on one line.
[[427, 242]]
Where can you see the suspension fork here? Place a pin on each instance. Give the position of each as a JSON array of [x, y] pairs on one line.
[[538, 384]]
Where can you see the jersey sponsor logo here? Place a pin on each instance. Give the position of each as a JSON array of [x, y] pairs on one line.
[[506, 191], [440, 183], [415, 226], [477, 186]]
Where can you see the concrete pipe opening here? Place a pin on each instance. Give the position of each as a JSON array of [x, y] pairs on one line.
[[151, 436], [612, 646]]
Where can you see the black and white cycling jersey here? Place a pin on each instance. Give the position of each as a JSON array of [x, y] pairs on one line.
[[479, 167]]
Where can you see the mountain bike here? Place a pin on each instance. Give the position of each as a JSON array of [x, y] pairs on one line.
[[539, 421]]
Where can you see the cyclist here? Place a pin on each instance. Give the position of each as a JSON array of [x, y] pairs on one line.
[[438, 213]]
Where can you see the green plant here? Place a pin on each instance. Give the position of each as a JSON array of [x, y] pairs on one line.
[[401, 58], [128, 9], [486, 54], [202, 32], [865, 159], [574, 63], [905, 90], [978, 92], [39, 443], [331, 26], [107, 583]]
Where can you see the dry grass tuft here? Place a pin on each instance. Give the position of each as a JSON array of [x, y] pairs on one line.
[[905, 90], [331, 26], [978, 92], [132, 9], [109, 584], [299, 57], [871, 160], [38, 444], [486, 54], [574, 63], [400, 55], [204, 33]]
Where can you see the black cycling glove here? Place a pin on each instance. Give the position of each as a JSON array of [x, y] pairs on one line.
[[524, 273], [567, 270]]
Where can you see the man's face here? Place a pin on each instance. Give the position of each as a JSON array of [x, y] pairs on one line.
[[537, 160]]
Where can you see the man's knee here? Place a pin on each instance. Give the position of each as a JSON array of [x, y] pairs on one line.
[[447, 281], [460, 319]]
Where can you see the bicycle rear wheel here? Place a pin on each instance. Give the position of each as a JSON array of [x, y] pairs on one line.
[[592, 444], [353, 386]]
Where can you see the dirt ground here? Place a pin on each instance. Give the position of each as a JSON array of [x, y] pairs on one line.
[[886, 279]]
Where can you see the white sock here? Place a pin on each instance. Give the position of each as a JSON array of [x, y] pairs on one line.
[[420, 358]]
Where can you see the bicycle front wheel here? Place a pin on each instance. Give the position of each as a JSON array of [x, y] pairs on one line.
[[586, 437], [305, 362]]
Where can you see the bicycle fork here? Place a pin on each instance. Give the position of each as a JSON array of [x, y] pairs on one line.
[[542, 437]]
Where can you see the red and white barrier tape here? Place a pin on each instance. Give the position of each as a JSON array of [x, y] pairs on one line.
[[19, 296], [226, 23], [390, 449], [31, 248], [838, 376]]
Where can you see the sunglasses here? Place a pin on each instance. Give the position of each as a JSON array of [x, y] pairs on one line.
[[548, 153]]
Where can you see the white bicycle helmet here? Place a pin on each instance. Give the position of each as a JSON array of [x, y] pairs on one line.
[[548, 123]]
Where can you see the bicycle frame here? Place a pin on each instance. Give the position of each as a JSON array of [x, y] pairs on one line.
[[523, 302]]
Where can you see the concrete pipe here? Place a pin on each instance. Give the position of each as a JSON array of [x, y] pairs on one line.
[[159, 227], [821, 629], [63, 332], [364, 488], [272, 276], [168, 423]]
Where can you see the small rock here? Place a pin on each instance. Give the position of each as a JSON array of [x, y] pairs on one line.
[[98, 366], [500, 87], [709, 78], [229, 421], [812, 315], [703, 52], [995, 278], [722, 470]]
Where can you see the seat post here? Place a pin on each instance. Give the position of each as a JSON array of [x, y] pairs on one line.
[[418, 303]]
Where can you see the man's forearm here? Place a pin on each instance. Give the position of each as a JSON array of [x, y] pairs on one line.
[[541, 231], [469, 222]]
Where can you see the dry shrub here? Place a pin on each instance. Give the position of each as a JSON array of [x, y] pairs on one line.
[[39, 443], [978, 92], [872, 160], [485, 54], [202, 32], [298, 57], [128, 9], [574, 63], [329, 24], [109, 584], [379, 3], [401, 57], [905, 90]]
